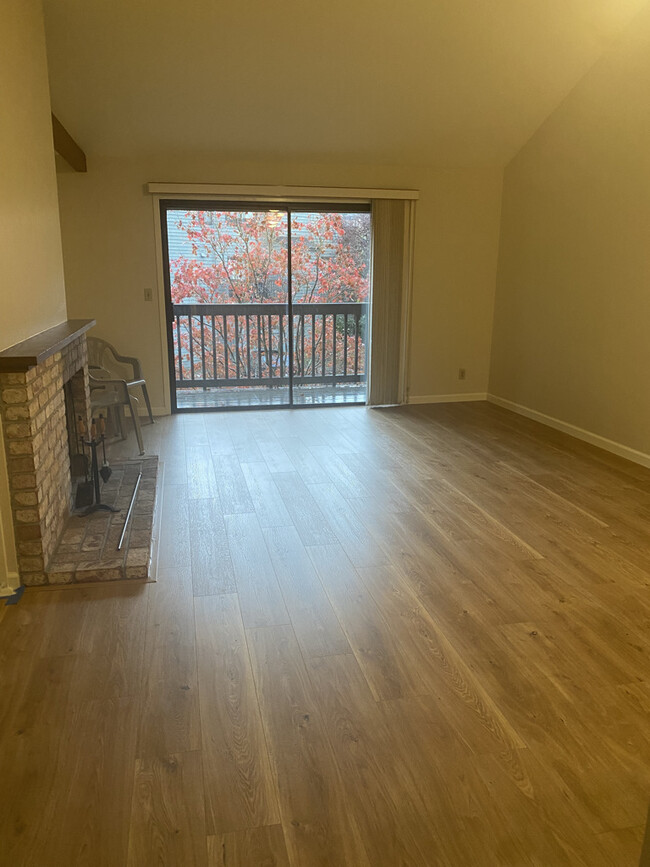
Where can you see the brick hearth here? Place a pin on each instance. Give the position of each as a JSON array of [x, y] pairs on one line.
[[87, 550]]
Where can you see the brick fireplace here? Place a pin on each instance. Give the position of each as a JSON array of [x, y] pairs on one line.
[[32, 379]]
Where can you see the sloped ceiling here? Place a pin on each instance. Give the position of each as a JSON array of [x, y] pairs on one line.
[[429, 82]]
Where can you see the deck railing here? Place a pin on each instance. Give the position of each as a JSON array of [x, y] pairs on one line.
[[248, 344]]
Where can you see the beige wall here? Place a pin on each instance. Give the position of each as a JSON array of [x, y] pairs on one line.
[[31, 281], [32, 295], [110, 256], [572, 317]]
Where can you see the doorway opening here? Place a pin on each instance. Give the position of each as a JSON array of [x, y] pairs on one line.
[[267, 305]]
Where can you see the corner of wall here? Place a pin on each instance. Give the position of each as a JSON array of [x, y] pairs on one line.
[[496, 277], [8, 564]]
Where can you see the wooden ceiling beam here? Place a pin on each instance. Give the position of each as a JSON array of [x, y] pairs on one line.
[[67, 148]]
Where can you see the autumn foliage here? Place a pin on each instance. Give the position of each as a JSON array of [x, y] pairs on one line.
[[240, 258]]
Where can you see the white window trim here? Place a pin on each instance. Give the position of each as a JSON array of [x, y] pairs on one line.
[[267, 193]]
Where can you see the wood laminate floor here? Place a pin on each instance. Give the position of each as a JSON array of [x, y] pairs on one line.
[[412, 636]]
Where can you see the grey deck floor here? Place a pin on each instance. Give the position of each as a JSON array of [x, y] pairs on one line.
[[210, 398]]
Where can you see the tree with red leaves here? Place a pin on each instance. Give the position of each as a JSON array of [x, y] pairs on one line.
[[240, 258]]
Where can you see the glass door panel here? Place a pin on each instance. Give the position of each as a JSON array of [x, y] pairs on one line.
[[228, 296], [330, 286]]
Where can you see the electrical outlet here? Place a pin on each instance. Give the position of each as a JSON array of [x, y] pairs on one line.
[[461, 373], [148, 294]]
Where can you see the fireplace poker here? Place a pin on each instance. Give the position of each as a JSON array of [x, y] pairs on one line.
[[78, 460], [84, 494], [128, 514], [105, 472]]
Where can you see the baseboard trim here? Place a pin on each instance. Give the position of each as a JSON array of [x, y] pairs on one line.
[[446, 398], [587, 436], [10, 583]]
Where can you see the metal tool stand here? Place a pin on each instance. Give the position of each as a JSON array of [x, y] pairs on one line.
[[97, 506]]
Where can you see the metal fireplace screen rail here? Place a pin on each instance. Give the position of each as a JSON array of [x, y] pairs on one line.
[[248, 344]]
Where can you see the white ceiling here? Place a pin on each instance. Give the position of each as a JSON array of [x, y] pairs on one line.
[[430, 82]]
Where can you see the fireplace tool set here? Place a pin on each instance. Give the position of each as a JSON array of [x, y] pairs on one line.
[[88, 494]]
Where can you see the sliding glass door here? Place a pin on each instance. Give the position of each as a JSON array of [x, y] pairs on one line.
[[266, 305]]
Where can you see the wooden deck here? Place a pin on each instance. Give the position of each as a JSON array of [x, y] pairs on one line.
[[412, 636]]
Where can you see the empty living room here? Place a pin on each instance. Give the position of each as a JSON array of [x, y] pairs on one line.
[[324, 468]]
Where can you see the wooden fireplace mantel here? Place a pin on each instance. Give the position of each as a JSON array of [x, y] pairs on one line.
[[28, 353]]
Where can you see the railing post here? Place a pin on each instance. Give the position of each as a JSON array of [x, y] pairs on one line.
[[214, 350], [202, 324], [179, 347], [357, 328], [225, 347], [191, 332], [248, 347]]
